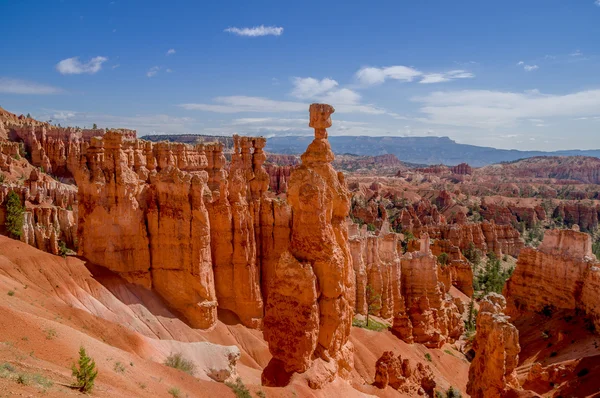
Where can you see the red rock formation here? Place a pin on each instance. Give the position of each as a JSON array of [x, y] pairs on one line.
[[462, 169], [430, 318], [403, 376], [492, 372], [278, 177], [457, 271], [562, 273], [318, 260], [486, 236]]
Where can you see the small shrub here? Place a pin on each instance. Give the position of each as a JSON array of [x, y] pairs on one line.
[[23, 379], [373, 325], [142, 386], [547, 311], [2, 178], [11, 293], [175, 392], [553, 354], [452, 393], [443, 259], [85, 373], [177, 361], [261, 394], [239, 389], [119, 367], [62, 249], [51, 334], [371, 227], [428, 357]]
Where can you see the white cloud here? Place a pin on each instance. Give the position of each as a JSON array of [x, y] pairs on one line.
[[115, 66], [372, 75], [169, 70], [171, 51], [577, 53], [153, 71], [16, 86], [520, 63], [256, 31], [446, 77], [72, 66], [240, 103], [597, 2], [308, 87], [491, 109], [530, 68]]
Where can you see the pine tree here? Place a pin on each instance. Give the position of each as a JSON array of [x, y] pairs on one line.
[[87, 372], [14, 215]]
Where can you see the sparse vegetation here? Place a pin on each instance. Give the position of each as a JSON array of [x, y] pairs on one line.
[[373, 302], [62, 249], [119, 367], [85, 372], [177, 361], [175, 392], [371, 227], [428, 357], [15, 214], [11, 293], [239, 389], [470, 323], [451, 393], [472, 254], [373, 325], [50, 333]]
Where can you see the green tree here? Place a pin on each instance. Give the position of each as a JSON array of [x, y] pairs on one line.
[[471, 316], [373, 302], [94, 126], [14, 215], [28, 115], [86, 373], [443, 259]]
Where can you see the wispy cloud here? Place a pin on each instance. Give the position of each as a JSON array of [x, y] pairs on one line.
[[17, 86], [372, 75], [256, 31], [446, 77], [527, 68], [577, 53], [491, 109], [171, 51], [240, 103], [153, 71], [597, 2], [73, 66]]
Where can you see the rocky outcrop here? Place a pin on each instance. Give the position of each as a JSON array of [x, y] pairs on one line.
[[486, 236], [462, 169], [492, 372], [170, 217], [402, 375], [562, 273], [278, 177], [309, 306], [456, 271], [431, 317]]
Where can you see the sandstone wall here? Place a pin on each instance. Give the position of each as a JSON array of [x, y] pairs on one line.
[[493, 370], [562, 273]]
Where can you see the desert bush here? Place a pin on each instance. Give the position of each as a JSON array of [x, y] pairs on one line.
[[239, 389], [177, 361], [85, 372]]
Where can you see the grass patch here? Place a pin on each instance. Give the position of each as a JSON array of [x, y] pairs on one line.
[[373, 325], [428, 357], [239, 389], [175, 392], [449, 352], [177, 361], [11, 293]]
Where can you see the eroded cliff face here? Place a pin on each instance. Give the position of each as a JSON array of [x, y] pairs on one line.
[[492, 372], [431, 317], [402, 375], [170, 217], [316, 337], [562, 273]]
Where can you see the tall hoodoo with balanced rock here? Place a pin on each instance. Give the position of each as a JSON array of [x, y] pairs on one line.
[[309, 311]]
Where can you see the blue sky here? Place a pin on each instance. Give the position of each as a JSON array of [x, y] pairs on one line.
[[511, 74]]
